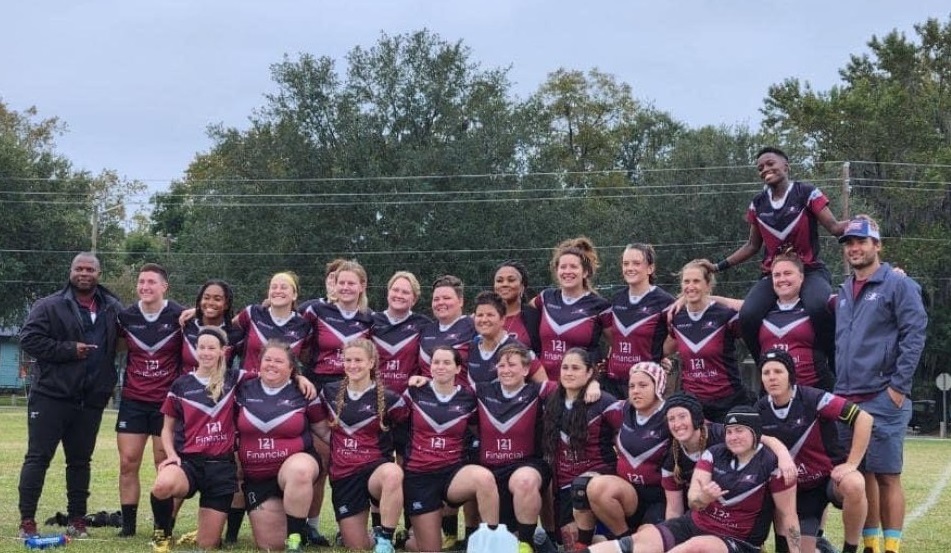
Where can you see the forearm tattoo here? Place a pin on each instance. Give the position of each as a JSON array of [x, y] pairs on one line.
[[793, 537]]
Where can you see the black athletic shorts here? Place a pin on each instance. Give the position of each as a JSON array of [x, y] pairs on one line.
[[425, 492], [216, 478], [139, 417], [351, 495], [502, 476], [678, 530]]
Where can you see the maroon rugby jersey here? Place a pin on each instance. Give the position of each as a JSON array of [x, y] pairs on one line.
[[358, 440], [190, 344], [259, 327], [272, 427], [716, 434], [792, 330], [458, 335], [331, 332], [792, 225], [642, 446], [203, 426], [565, 326], [807, 427], [638, 330], [707, 349], [603, 418], [510, 424], [746, 511], [154, 349], [480, 369], [514, 325], [437, 428], [398, 346]]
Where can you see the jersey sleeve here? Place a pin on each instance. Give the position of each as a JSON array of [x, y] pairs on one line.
[[817, 201], [705, 463], [244, 319]]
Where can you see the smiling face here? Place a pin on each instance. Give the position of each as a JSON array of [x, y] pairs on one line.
[[635, 269], [512, 371], [84, 273], [574, 373], [773, 169], [443, 367], [400, 297], [276, 367], [739, 439], [787, 280], [281, 292], [208, 351], [681, 424], [694, 285], [571, 273], [642, 392], [357, 365], [861, 253], [447, 305], [348, 289], [213, 304], [150, 287], [508, 284], [488, 321]]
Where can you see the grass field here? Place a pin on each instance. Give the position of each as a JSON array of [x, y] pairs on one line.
[[927, 475]]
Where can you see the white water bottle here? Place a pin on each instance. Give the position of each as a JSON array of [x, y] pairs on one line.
[[486, 540]]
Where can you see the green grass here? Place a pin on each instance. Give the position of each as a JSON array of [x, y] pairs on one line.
[[925, 462]]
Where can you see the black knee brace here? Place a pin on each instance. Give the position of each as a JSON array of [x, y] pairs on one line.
[[579, 493]]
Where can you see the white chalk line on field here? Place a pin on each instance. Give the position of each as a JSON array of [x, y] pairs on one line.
[[930, 501]]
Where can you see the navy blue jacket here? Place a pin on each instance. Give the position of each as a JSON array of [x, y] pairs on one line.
[[50, 334], [879, 337]]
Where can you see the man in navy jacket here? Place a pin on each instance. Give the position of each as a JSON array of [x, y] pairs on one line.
[[72, 335], [880, 335]]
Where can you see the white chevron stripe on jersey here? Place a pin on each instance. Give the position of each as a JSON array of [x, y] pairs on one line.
[[699, 346], [267, 426], [563, 328], [210, 410], [437, 427], [636, 460], [739, 499], [151, 350], [783, 233], [782, 331], [627, 330], [392, 349], [504, 427]]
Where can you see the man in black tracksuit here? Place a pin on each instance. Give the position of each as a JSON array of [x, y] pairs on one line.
[[72, 336]]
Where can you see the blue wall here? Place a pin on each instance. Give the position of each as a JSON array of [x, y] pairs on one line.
[[9, 363]]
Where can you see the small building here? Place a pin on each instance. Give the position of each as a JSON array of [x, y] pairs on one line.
[[13, 373]]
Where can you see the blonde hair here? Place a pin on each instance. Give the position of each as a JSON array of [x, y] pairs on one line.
[[292, 279], [583, 248], [410, 277], [216, 380], [704, 269], [352, 266], [370, 349]]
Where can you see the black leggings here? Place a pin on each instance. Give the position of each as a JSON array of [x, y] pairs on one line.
[[49, 422], [816, 289]]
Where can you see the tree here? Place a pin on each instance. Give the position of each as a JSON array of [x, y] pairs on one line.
[[891, 116], [45, 207]]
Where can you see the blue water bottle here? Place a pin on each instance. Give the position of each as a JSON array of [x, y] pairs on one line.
[[46, 542]]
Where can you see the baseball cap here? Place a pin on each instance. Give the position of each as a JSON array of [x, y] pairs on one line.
[[861, 228]]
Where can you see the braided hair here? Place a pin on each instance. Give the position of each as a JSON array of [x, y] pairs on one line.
[[373, 355]]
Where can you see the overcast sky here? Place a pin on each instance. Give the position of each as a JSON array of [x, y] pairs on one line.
[[137, 83]]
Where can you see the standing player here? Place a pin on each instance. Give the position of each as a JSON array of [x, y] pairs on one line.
[[277, 321], [784, 218], [636, 323], [72, 334], [357, 415], [396, 332], [572, 313], [451, 326], [521, 319], [150, 331], [704, 335], [213, 307], [440, 415], [484, 349], [880, 334]]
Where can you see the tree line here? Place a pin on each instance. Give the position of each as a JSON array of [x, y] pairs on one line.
[[409, 154]]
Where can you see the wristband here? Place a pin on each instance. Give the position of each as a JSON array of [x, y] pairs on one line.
[[723, 265]]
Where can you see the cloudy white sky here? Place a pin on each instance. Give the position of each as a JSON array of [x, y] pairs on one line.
[[137, 83]]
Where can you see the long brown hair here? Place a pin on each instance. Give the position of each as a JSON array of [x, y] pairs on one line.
[[676, 449], [573, 421], [367, 347]]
